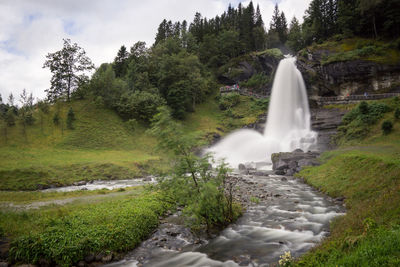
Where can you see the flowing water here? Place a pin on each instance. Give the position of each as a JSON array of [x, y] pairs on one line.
[[290, 215], [103, 184], [288, 123], [293, 217]]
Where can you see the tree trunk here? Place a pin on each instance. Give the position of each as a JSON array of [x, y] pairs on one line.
[[69, 87], [374, 23], [5, 133]]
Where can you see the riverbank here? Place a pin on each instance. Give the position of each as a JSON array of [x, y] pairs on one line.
[[283, 214], [365, 171]]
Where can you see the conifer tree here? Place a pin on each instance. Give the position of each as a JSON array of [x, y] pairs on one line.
[[120, 62], [295, 38], [258, 18]]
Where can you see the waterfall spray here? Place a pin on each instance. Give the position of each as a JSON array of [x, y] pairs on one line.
[[288, 123]]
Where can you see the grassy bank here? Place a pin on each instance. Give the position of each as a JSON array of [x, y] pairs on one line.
[[64, 235], [366, 171]]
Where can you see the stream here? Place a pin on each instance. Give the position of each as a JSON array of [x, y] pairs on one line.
[[289, 216], [103, 184]]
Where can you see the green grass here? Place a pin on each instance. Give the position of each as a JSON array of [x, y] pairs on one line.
[[18, 197], [66, 234], [367, 173], [209, 118], [101, 146], [275, 52]]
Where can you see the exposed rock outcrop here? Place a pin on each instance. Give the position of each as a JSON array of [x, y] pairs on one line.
[[247, 66], [346, 77], [288, 163], [325, 122]]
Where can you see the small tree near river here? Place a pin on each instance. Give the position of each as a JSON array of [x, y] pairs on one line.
[[206, 194]]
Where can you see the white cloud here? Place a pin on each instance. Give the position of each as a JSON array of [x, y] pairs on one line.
[[31, 29]]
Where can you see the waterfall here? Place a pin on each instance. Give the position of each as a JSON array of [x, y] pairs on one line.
[[288, 123]]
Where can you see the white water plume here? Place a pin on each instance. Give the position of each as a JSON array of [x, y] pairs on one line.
[[288, 123]]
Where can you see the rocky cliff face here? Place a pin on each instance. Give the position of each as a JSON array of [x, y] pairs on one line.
[[347, 77], [242, 69]]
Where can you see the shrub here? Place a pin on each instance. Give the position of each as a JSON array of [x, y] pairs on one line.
[[28, 118], [397, 113], [228, 101], [387, 127], [256, 82], [70, 118], [56, 118], [363, 107], [10, 117], [132, 124], [355, 123], [141, 106]]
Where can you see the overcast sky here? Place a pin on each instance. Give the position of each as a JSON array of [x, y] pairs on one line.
[[29, 29]]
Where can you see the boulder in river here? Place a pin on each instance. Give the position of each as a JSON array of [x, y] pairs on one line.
[[288, 163]]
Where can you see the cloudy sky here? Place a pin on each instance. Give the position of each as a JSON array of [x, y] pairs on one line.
[[29, 29]]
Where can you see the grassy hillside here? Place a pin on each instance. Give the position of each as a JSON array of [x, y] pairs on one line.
[[366, 171], [101, 145]]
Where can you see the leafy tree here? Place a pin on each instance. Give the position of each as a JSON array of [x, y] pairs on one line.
[[207, 198], [181, 82], [43, 108], [26, 111], [10, 116], [69, 67], [107, 86], [139, 105], [70, 118], [11, 100]]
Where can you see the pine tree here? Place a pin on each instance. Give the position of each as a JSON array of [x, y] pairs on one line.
[[196, 27], [283, 29], [161, 32], [120, 62], [295, 38], [258, 18], [276, 20]]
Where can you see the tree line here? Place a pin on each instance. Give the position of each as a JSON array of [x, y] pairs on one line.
[[178, 70], [379, 19]]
